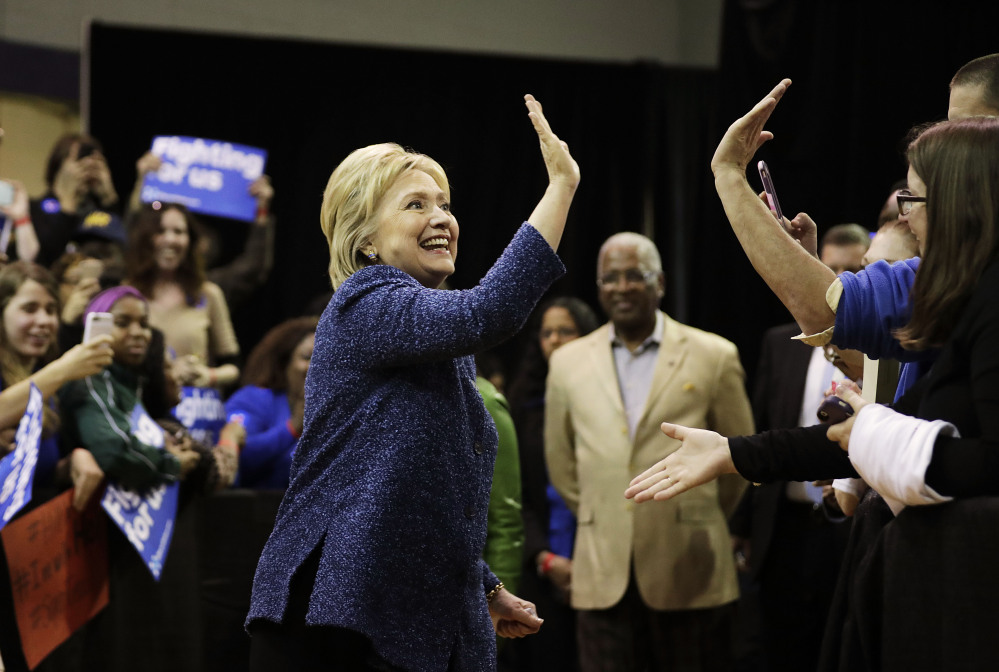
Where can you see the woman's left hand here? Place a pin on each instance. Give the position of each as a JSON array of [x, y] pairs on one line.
[[746, 134], [512, 616], [840, 432], [562, 168], [703, 456], [262, 190]]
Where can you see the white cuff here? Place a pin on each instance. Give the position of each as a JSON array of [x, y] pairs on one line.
[[892, 451], [852, 486]]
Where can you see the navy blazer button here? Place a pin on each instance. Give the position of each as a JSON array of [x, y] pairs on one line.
[[470, 511], [478, 448]]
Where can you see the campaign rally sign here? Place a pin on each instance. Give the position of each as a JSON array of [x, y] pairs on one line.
[[202, 411], [17, 469], [208, 176], [147, 520]]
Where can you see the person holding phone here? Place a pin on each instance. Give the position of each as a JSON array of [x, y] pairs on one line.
[[78, 183], [939, 444], [104, 411], [375, 558]]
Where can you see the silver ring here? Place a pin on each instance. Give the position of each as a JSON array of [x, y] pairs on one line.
[[669, 478]]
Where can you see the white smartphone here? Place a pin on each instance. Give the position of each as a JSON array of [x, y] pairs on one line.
[[768, 188], [6, 193], [97, 324]]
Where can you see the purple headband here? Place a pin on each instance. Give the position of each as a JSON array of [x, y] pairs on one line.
[[103, 302]]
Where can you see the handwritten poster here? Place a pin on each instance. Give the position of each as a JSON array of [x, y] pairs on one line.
[[58, 562]]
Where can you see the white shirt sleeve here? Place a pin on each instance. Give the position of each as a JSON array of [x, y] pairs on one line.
[[892, 451]]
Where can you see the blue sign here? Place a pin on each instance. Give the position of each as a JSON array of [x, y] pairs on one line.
[[208, 176], [201, 410], [147, 520], [17, 470]]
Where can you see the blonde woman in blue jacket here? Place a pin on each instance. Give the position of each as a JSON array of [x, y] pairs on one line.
[[375, 558]]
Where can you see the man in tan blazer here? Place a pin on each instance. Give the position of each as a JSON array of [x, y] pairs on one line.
[[654, 585]]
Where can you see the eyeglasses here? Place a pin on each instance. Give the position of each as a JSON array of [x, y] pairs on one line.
[[905, 199], [632, 278], [562, 332]]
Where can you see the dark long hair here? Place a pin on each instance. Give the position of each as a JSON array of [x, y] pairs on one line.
[[268, 361], [140, 262], [529, 381], [959, 163]]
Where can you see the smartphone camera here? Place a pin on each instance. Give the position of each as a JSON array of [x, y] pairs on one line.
[[833, 410], [86, 149]]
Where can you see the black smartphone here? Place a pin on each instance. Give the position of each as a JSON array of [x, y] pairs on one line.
[[768, 187], [86, 149], [833, 410]]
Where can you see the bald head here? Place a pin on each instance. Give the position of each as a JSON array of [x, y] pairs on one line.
[[646, 250]]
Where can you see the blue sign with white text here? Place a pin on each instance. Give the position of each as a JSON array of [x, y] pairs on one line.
[[147, 520], [208, 176], [17, 470], [201, 410]]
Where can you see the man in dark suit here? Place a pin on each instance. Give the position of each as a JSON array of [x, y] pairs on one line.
[[792, 548]]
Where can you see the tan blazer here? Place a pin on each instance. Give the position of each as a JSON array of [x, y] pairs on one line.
[[681, 549]]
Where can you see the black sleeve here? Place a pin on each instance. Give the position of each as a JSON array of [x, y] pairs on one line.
[[800, 454], [969, 466]]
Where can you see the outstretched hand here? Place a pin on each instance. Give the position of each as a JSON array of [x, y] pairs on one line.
[[562, 168], [703, 457], [746, 135]]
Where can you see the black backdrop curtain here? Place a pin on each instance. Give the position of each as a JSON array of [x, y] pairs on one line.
[[639, 132], [864, 73]]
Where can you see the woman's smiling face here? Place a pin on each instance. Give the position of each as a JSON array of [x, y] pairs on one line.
[[416, 231], [30, 320]]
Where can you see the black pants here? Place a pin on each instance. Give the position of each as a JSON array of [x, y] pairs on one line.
[[293, 645], [631, 637]]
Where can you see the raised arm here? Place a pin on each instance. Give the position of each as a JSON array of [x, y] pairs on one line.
[[85, 359], [797, 278], [563, 178]]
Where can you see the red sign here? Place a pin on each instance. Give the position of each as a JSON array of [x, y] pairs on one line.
[[58, 561]]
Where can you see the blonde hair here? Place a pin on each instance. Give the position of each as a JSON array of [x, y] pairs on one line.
[[352, 197]]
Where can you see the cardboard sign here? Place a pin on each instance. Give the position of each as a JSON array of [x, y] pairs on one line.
[[17, 469], [147, 520], [208, 176], [58, 560]]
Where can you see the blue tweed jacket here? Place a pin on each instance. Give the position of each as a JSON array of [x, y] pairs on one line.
[[393, 469]]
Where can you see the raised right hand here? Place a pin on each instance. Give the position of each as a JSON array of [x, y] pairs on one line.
[[87, 359], [746, 135], [562, 168]]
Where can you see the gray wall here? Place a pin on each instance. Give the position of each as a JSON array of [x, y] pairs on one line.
[[673, 32]]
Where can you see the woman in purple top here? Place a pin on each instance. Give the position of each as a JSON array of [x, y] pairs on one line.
[[375, 558]]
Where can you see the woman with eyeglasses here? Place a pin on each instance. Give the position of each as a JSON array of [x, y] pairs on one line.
[[549, 526], [941, 441]]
